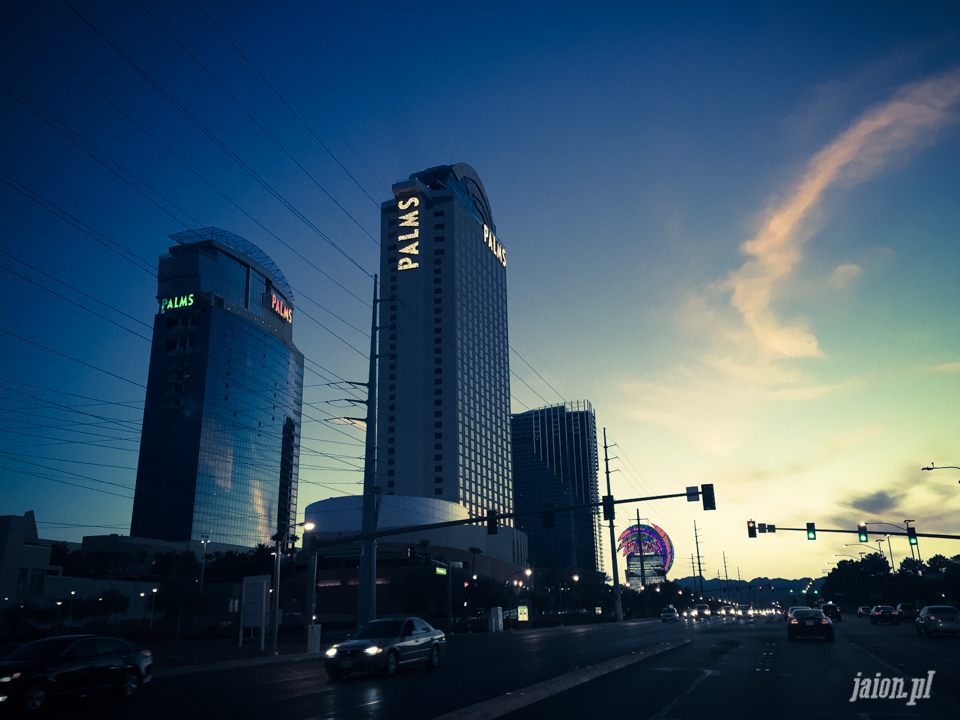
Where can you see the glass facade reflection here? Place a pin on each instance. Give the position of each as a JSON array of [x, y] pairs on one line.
[[220, 445], [555, 465], [444, 375]]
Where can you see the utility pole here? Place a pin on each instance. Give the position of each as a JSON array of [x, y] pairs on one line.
[[739, 581], [693, 572], [696, 538], [367, 584], [725, 571], [617, 606], [643, 574]]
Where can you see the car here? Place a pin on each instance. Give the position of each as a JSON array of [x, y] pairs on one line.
[[703, 611], [745, 611], [806, 622], [884, 614], [386, 645], [938, 619], [727, 611], [790, 610], [832, 612], [669, 614], [44, 670], [863, 611], [908, 611]]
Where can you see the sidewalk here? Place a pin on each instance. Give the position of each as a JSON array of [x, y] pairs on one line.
[[188, 657]]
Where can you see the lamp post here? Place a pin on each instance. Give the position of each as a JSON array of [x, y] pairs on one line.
[[511, 590], [70, 613], [153, 604], [204, 540], [281, 540]]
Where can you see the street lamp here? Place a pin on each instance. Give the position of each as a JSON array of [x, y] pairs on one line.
[[204, 540], [281, 537], [70, 613]]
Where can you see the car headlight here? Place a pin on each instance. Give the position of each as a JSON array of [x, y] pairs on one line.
[[373, 650], [10, 678], [332, 652]]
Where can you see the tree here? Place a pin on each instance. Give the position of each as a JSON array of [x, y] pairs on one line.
[[911, 566], [875, 565], [938, 564]]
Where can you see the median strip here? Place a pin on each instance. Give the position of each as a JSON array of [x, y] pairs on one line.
[[499, 706]]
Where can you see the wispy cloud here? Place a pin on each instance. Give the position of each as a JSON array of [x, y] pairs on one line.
[[843, 275], [904, 122]]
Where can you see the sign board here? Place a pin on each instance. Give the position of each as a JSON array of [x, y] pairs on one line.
[[255, 605], [441, 571], [343, 552], [523, 613]]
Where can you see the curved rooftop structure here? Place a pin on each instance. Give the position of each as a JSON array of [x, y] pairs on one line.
[[237, 243], [466, 181]]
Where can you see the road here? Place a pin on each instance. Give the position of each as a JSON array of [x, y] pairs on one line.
[[728, 668]]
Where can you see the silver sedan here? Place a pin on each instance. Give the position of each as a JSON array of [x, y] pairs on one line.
[[387, 645]]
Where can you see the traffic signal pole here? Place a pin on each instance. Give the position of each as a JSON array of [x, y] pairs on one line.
[[617, 604]]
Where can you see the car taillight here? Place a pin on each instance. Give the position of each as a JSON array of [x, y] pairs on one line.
[[146, 652], [895, 613], [878, 613], [932, 617], [824, 622], [794, 621]]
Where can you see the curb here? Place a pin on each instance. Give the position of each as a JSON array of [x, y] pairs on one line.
[[183, 670], [496, 707]]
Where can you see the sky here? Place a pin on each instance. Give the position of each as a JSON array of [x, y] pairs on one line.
[[731, 227]]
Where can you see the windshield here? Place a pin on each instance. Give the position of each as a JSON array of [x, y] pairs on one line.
[[378, 629], [41, 649]]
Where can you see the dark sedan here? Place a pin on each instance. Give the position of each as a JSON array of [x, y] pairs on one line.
[[809, 623], [41, 670], [387, 645], [832, 612], [938, 619], [884, 614]]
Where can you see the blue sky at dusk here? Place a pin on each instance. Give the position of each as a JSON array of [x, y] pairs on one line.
[[732, 228]]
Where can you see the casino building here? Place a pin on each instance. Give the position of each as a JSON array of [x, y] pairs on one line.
[[443, 413], [220, 444]]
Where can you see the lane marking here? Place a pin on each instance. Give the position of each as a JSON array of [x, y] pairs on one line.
[[663, 713], [499, 706]]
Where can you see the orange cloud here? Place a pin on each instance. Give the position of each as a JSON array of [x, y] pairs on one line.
[[905, 121]]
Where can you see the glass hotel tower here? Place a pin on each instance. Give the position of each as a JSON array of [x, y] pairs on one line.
[[444, 376], [220, 445]]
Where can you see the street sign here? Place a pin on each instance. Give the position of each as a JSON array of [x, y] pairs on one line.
[[343, 552], [441, 571]]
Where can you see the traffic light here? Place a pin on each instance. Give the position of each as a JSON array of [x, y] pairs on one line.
[[608, 507], [492, 526], [811, 531], [751, 529], [862, 532], [709, 501], [912, 535]]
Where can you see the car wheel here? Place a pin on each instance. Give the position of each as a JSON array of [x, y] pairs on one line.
[[393, 662], [919, 632], [434, 658], [35, 697], [131, 681]]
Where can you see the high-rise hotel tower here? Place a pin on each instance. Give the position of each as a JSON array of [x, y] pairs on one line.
[[444, 374], [220, 445]]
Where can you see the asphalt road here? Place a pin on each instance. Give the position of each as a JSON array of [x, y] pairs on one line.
[[750, 670], [728, 669]]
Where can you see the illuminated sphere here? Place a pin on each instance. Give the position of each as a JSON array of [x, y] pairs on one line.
[[646, 540]]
